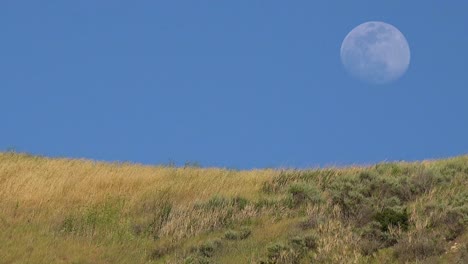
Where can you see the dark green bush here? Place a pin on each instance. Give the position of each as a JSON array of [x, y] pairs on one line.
[[389, 217]]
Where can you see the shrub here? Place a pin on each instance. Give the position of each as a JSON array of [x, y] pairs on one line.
[[161, 251], [237, 235], [392, 169], [263, 203], [239, 202], [311, 242], [293, 252], [420, 247], [453, 167], [301, 193], [373, 238], [208, 248], [389, 217], [454, 224], [348, 198], [423, 181], [197, 260], [280, 253], [311, 222]]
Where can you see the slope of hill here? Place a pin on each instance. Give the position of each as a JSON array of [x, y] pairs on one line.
[[80, 211]]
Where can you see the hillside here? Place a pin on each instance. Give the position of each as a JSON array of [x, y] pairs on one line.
[[80, 211]]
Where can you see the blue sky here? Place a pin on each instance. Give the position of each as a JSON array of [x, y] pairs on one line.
[[237, 84]]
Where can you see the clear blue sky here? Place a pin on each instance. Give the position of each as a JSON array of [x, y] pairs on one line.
[[238, 84]]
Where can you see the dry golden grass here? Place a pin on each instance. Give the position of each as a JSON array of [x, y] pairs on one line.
[[81, 211]]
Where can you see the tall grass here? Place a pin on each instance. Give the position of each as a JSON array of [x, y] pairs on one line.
[[81, 211]]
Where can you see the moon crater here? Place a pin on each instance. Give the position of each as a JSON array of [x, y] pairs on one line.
[[375, 52]]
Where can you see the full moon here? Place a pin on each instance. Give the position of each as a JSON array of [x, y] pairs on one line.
[[375, 52]]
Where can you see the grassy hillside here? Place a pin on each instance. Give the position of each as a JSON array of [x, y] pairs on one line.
[[79, 211]]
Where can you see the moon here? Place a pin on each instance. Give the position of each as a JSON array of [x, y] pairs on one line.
[[375, 52]]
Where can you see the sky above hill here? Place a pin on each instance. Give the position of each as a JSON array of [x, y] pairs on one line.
[[237, 84]]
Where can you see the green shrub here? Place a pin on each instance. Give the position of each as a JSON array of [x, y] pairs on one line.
[[454, 223], [304, 243], [347, 194], [240, 202], [209, 248], [292, 252], [161, 251], [197, 260], [237, 235], [263, 203], [280, 253], [453, 167], [301, 193], [423, 181], [389, 217], [311, 222], [392, 169], [373, 238]]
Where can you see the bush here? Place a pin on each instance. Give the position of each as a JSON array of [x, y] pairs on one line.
[[293, 252], [347, 196], [454, 167], [423, 181], [301, 193], [373, 238], [418, 248], [197, 260], [280, 253], [389, 217], [237, 235], [161, 251], [392, 169], [453, 222], [239, 202], [311, 222], [309, 242], [208, 248]]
